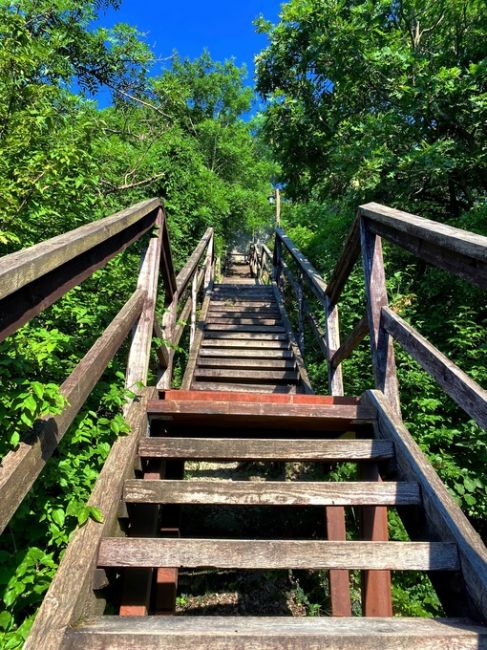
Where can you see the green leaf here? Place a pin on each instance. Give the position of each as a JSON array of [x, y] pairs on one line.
[[58, 517]]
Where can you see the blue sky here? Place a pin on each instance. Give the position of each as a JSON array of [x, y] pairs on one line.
[[224, 27]]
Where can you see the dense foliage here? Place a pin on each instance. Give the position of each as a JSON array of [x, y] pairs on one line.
[[367, 100]]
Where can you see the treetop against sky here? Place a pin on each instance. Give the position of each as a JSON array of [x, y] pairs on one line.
[[224, 27]]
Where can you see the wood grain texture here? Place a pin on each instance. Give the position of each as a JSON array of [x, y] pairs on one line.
[[246, 363], [255, 493], [246, 336], [70, 595], [280, 633], [444, 517], [326, 416], [447, 237], [254, 376], [20, 268], [246, 344], [466, 392], [235, 354], [20, 468], [383, 359], [277, 554], [193, 353], [263, 449], [148, 281], [238, 388]]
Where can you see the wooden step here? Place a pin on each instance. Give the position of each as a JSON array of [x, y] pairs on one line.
[[277, 554], [246, 363], [232, 311], [247, 344], [267, 329], [232, 305], [243, 353], [271, 450], [254, 320], [322, 417], [272, 493], [246, 336], [275, 633], [251, 376], [248, 388]]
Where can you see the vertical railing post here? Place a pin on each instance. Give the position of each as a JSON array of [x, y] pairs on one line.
[[383, 360], [210, 269], [300, 297], [335, 375], [194, 306], [341, 603], [277, 260], [376, 585]]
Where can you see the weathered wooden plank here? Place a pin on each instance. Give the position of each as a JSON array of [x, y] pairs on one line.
[[444, 518], [276, 633], [238, 388], [457, 251], [20, 468], [232, 353], [383, 359], [140, 349], [254, 376], [248, 343], [243, 320], [242, 312], [335, 373], [237, 305], [246, 363], [246, 336], [358, 333], [466, 392], [345, 263], [276, 493], [70, 594], [264, 449], [225, 327], [277, 554], [20, 268], [329, 417], [22, 305]]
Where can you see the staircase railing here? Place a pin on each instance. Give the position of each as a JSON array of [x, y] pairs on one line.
[[35, 278], [454, 250]]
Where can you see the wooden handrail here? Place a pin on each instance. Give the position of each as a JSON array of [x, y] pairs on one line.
[[35, 278], [452, 249], [20, 468]]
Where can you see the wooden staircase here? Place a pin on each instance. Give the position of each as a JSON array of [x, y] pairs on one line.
[[245, 342], [246, 397]]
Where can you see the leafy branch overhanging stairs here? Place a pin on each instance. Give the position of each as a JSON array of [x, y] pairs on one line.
[[246, 396]]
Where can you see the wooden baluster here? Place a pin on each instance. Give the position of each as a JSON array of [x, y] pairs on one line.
[[376, 585], [194, 305], [277, 261], [383, 360], [210, 267], [301, 309], [341, 604]]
